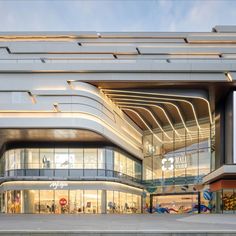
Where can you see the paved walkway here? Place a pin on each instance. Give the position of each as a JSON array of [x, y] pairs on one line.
[[142, 222]]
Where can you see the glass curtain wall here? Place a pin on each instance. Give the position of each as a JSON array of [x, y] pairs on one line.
[[69, 162], [178, 155]]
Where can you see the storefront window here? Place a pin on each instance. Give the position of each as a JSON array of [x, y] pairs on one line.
[[91, 201], [14, 201], [100, 202], [76, 201], [47, 203], [117, 203], [110, 202], [136, 204], [123, 202], [61, 202], [229, 201]]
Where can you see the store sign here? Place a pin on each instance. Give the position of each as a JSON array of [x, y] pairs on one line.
[[181, 162], [167, 163], [58, 184], [62, 201]]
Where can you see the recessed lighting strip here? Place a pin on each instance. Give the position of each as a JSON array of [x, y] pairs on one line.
[[122, 104], [175, 98], [158, 124], [135, 112]]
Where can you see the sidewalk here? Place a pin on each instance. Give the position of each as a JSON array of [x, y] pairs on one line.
[[117, 224]]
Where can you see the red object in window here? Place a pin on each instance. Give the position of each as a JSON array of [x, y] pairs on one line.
[[62, 201]]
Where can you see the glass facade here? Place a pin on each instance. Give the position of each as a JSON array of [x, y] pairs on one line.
[[120, 202], [176, 204], [69, 202], [178, 156], [224, 201], [68, 162]]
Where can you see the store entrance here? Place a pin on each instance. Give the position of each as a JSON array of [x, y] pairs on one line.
[[175, 203]]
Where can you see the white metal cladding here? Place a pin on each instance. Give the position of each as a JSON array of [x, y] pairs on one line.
[[44, 75]]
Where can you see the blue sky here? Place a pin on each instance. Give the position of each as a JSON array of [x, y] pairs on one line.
[[115, 15]]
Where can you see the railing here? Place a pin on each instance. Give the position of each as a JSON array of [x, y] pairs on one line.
[[99, 173], [72, 173], [173, 181]]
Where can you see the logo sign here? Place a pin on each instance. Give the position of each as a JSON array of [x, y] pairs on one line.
[[167, 163], [63, 201], [58, 184], [181, 162]]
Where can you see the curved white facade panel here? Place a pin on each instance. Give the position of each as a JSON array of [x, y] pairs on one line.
[[86, 108]]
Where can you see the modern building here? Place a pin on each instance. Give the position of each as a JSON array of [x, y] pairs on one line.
[[118, 122]]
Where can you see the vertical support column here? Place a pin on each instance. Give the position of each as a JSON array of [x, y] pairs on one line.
[[104, 202], [151, 203], [219, 135], [199, 202], [229, 129]]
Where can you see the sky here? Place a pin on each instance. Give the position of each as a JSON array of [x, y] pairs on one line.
[[116, 15]]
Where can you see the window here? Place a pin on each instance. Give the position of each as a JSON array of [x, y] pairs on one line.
[[101, 158], [90, 158], [46, 158], [61, 202], [76, 157], [47, 203], [110, 202], [32, 159], [76, 201], [91, 201], [61, 159], [204, 161]]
